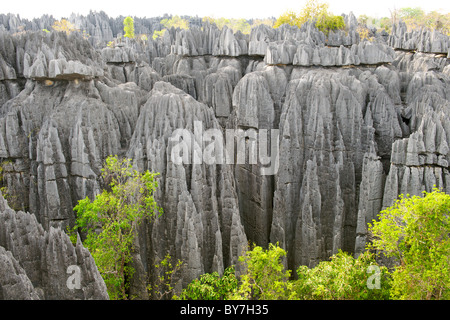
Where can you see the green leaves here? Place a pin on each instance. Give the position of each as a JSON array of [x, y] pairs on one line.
[[211, 286], [128, 27], [312, 11], [416, 232], [343, 277], [110, 220], [266, 277]]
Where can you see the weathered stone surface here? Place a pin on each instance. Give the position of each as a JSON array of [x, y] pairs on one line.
[[64, 136], [321, 150], [59, 56], [14, 283], [421, 40], [38, 263], [370, 198], [201, 222], [118, 54], [229, 44]]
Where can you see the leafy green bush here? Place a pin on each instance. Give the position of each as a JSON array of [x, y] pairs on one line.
[[312, 11], [111, 219], [175, 22], [128, 27], [344, 277], [416, 232], [158, 34], [165, 283], [211, 286], [327, 22], [266, 277]]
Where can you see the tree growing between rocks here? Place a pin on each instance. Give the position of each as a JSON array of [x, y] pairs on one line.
[[128, 27], [175, 22], [416, 232], [64, 26], [112, 218], [312, 11]]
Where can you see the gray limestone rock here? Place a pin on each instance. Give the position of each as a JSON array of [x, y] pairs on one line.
[[14, 283], [40, 264], [359, 123], [281, 52], [201, 223], [63, 134], [59, 56], [422, 40], [229, 44], [260, 37], [373, 52], [321, 151], [370, 198]]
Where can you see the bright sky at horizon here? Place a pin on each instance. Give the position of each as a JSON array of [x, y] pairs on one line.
[[30, 9]]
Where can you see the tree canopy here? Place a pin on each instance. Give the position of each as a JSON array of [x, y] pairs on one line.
[[64, 26], [128, 27], [312, 11], [416, 232]]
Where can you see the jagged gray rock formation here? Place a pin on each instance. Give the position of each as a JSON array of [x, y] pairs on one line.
[[322, 142], [201, 222], [14, 283], [359, 122], [38, 263], [363, 53], [422, 40]]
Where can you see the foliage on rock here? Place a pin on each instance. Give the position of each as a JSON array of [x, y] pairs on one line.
[[312, 11], [415, 231], [111, 219]]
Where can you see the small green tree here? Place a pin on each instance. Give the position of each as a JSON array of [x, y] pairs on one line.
[[111, 219], [166, 274], [175, 22], [344, 278], [266, 277], [416, 231], [312, 11], [64, 26], [211, 286], [158, 34], [128, 27]]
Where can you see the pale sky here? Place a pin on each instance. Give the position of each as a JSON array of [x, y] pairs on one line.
[[225, 8]]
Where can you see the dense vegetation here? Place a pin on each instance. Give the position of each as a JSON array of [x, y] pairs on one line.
[[128, 27], [413, 233]]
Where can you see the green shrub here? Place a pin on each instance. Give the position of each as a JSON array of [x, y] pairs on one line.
[[128, 27], [416, 232], [343, 278], [266, 277], [211, 286], [111, 219], [312, 11]]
